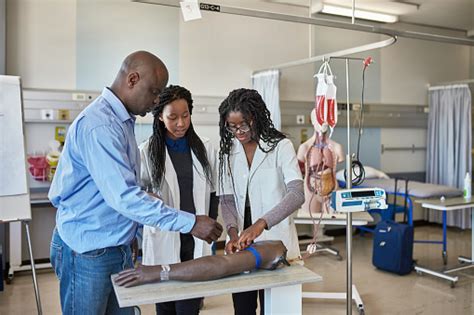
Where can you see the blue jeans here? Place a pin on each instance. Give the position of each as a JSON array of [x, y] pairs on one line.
[[84, 279]]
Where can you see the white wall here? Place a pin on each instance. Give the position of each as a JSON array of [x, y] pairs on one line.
[[406, 160], [66, 43], [220, 52], [2, 36], [41, 42], [71, 44], [109, 30], [409, 65], [472, 62]]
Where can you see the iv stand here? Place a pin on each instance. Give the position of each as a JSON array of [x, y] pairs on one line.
[[351, 293], [349, 186], [349, 214]]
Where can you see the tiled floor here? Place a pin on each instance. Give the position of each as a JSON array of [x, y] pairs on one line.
[[382, 293]]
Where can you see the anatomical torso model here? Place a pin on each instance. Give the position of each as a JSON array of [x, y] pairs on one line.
[[319, 155]]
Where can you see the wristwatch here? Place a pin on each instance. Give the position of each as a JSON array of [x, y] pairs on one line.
[[165, 272]]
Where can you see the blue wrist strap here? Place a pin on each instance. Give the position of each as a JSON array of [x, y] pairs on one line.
[[258, 258]]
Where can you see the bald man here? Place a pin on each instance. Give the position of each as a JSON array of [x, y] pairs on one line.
[[96, 192]]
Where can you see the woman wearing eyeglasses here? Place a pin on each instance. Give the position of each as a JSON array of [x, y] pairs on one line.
[[260, 184], [178, 166]]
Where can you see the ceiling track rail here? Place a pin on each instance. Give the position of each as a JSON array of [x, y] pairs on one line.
[[339, 53], [218, 8]]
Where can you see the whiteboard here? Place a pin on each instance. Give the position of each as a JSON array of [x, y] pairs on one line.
[[14, 193]]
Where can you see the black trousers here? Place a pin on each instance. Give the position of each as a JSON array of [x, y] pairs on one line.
[[183, 307], [245, 303]]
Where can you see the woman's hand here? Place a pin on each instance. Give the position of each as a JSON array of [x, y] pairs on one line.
[[232, 245], [251, 233], [134, 250], [154, 195], [137, 276]]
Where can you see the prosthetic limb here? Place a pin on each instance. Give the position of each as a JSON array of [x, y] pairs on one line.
[[261, 255]]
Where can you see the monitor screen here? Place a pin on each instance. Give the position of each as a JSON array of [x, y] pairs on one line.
[[366, 193]]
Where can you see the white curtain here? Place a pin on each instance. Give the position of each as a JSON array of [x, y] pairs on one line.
[[448, 156], [267, 83]]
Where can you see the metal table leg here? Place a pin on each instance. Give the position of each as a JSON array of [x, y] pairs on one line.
[[444, 274], [445, 240], [338, 296], [33, 269], [440, 274]]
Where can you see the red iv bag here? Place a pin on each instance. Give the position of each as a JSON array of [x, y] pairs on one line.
[[331, 106], [320, 104]]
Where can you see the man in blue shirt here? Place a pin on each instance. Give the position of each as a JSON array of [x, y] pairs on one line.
[[97, 196]]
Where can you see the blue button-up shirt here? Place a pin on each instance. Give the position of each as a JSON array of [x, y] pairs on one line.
[[95, 188], [179, 145]]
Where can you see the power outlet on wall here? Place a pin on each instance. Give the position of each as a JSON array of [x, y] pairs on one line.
[[47, 114], [300, 119], [78, 96]]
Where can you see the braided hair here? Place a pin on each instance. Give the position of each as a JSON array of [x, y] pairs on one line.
[[253, 109], [157, 142]]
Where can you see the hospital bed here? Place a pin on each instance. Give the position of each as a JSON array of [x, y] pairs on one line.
[[409, 191]]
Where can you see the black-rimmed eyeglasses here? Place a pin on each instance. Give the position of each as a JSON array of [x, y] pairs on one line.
[[243, 128]]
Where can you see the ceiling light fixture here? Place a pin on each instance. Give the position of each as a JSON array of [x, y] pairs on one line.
[[360, 14]]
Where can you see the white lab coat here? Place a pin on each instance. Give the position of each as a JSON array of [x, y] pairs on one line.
[[163, 247], [266, 181]]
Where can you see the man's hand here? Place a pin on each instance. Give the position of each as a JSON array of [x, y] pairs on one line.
[[140, 275], [251, 233], [206, 229]]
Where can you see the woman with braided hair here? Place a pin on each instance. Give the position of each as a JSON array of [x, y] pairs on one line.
[[179, 167], [260, 184]]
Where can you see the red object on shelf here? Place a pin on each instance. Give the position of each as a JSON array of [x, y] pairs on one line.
[[38, 167]]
